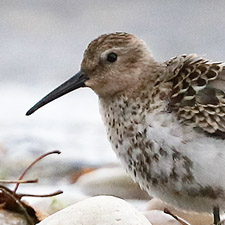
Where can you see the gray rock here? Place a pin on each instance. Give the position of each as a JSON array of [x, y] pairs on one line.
[[11, 218], [110, 181]]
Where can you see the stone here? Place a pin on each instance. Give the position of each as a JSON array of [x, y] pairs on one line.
[[111, 181], [101, 210], [191, 217], [11, 218], [158, 217]]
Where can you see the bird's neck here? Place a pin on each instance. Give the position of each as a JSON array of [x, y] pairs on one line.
[[126, 113], [136, 101]]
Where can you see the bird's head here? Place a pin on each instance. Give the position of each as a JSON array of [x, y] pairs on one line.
[[112, 63]]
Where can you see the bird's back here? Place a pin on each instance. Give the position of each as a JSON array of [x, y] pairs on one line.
[[197, 94]]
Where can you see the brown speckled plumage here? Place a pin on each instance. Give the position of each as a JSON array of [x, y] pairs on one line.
[[194, 96]]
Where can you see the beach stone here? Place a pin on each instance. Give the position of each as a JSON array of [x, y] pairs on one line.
[[11, 218], [111, 181], [191, 217], [158, 217], [101, 210]]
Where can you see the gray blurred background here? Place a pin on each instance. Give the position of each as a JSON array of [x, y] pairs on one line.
[[41, 45]]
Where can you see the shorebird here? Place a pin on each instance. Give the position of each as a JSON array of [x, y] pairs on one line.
[[165, 120]]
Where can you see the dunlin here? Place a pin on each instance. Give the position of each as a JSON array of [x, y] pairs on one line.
[[165, 120]]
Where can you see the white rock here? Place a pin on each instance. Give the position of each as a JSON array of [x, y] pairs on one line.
[[111, 181], [100, 210], [158, 217]]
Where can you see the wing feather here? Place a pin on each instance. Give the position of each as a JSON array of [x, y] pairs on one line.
[[198, 92]]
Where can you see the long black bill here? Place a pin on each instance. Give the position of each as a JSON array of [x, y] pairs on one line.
[[75, 82]]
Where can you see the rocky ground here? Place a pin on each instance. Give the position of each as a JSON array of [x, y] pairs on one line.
[[76, 205]]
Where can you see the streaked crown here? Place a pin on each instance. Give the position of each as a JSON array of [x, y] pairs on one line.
[[114, 62]]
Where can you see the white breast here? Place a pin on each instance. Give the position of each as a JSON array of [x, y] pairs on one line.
[[170, 161]]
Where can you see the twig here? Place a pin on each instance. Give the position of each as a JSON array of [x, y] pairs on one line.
[[11, 199], [41, 196], [5, 188], [10, 194], [181, 221], [18, 181], [30, 166]]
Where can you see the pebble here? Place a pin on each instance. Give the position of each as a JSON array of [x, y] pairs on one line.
[[101, 210], [191, 217], [110, 181], [158, 217], [11, 218]]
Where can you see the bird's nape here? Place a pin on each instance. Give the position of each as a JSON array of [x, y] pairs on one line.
[[75, 82]]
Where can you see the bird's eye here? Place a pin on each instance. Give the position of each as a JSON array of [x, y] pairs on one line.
[[112, 57]]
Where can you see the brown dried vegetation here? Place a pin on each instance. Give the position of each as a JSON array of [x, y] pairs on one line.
[[10, 200]]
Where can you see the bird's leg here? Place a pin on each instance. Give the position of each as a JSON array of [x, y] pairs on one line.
[[216, 215]]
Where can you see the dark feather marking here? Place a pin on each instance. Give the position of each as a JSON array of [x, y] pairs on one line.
[[196, 95]]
